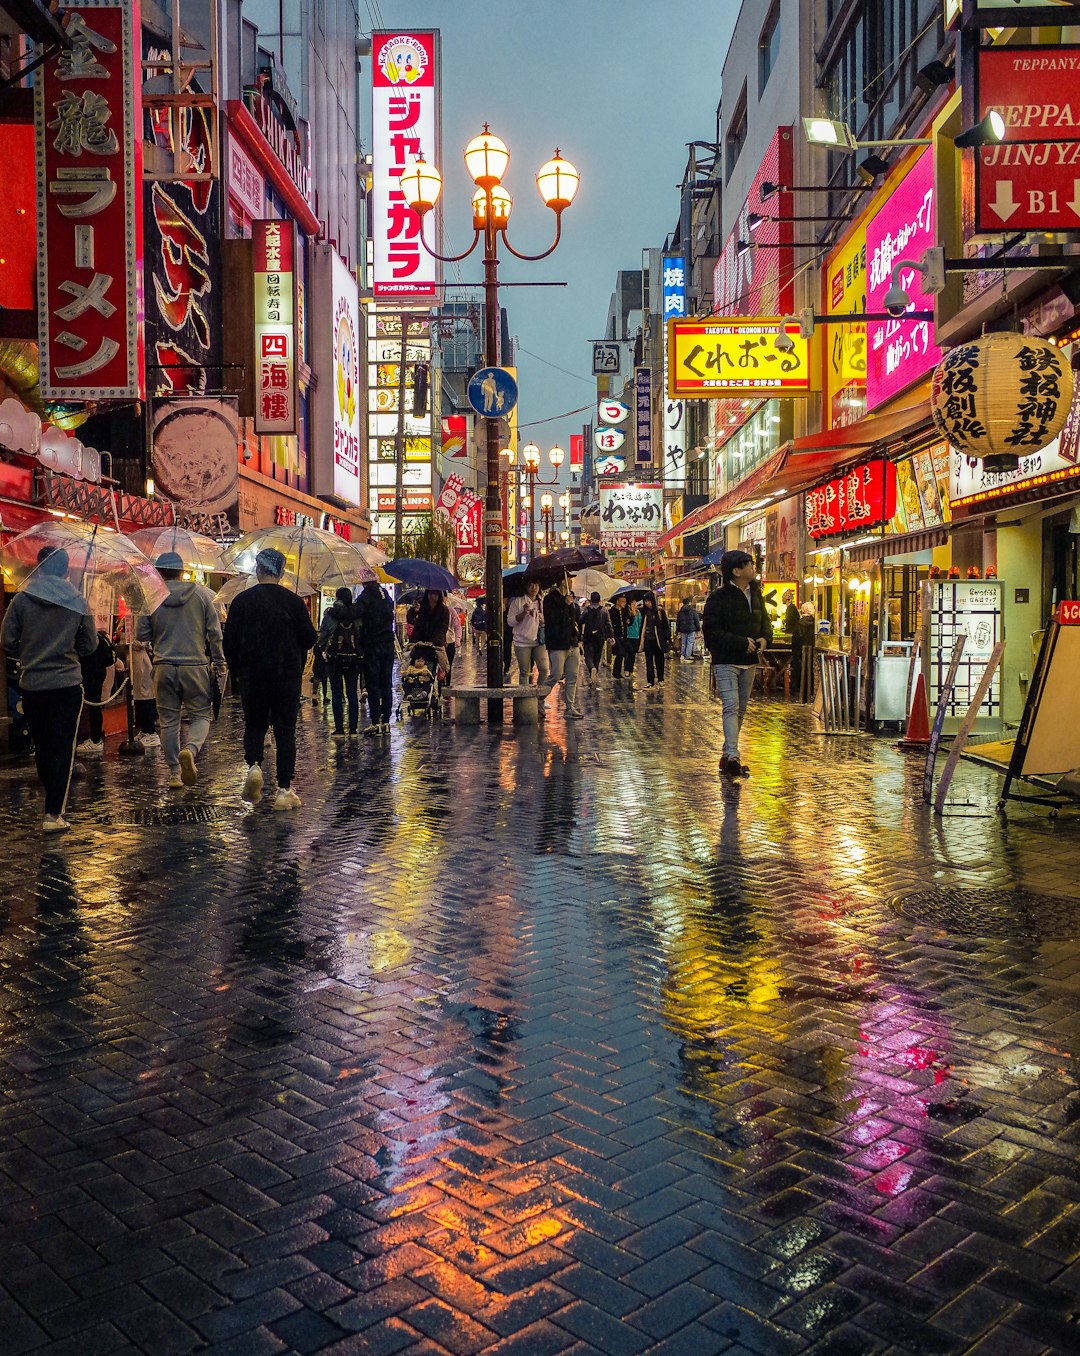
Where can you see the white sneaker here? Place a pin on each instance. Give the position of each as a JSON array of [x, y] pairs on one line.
[[54, 824], [188, 771], [91, 748], [253, 784], [151, 741], [286, 799]]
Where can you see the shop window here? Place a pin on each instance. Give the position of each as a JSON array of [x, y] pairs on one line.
[[736, 134], [769, 47]]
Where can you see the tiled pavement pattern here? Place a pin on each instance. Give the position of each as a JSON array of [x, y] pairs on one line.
[[541, 1042]]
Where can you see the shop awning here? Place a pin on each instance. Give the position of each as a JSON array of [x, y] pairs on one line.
[[803, 462], [902, 544]]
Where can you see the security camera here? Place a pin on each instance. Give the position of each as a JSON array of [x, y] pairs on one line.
[[896, 300], [784, 343]]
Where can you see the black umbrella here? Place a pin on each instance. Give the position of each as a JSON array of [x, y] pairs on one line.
[[550, 568], [633, 593]]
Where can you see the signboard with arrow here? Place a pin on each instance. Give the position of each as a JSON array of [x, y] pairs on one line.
[[1031, 180]]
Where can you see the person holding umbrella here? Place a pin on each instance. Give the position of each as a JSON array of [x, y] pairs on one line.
[[737, 629], [48, 629], [183, 631], [562, 636], [266, 639]]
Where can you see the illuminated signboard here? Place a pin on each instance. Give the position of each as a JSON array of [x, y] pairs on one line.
[[865, 496], [631, 516], [276, 396], [736, 356]]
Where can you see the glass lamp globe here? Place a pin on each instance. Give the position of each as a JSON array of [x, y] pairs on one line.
[[557, 181], [530, 454], [486, 159], [545, 502], [557, 455], [421, 185]]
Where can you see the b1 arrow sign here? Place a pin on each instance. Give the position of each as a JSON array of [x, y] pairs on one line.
[[1031, 181]]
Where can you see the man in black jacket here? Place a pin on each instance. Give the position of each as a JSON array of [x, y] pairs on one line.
[[375, 613], [562, 636], [736, 628], [266, 639]]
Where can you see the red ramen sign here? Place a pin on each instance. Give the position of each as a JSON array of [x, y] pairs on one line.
[[865, 496]]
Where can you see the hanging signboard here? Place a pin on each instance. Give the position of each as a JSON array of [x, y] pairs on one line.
[[631, 516], [844, 286], [1030, 181], [605, 358], [88, 137], [608, 439], [643, 415], [274, 260], [405, 120], [612, 411], [674, 286], [736, 357], [900, 351], [864, 497]]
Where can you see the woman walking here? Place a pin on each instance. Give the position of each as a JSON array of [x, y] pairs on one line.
[[655, 640]]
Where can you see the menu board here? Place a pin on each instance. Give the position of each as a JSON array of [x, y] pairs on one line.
[[973, 608], [922, 490]]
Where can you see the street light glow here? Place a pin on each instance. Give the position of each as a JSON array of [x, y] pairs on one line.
[[530, 454], [421, 185], [557, 455], [486, 159], [558, 182]]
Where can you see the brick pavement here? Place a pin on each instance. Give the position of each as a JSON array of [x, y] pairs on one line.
[[541, 1042]]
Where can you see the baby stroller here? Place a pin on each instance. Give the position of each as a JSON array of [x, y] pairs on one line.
[[421, 686]]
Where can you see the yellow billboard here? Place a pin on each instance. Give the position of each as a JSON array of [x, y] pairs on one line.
[[844, 286], [737, 356]]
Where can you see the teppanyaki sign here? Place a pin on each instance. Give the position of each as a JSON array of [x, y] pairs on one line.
[[736, 356], [864, 497], [1031, 180]]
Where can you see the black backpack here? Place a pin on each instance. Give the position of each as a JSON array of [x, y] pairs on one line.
[[593, 624], [343, 648]]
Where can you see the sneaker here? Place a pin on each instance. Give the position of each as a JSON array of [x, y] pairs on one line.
[[253, 784], [286, 799], [91, 748], [176, 779], [338, 734], [572, 713], [188, 771], [314, 701], [730, 767], [744, 771], [374, 729], [54, 824], [151, 741]]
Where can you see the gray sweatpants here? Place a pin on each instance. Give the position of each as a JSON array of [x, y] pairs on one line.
[[182, 688]]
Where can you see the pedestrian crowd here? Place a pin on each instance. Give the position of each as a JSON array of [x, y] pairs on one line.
[[181, 659]]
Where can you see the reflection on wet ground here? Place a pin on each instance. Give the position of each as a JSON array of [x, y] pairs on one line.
[[541, 1041]]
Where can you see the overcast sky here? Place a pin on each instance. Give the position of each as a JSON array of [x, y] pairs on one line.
[[619, 86]]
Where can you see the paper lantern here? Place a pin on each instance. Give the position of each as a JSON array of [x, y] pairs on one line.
[[1001, 397]]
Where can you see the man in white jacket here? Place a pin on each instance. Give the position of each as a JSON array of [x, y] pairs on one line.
[[525, 616]]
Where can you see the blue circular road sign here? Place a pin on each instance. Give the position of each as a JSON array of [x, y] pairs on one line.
[[493, 392]]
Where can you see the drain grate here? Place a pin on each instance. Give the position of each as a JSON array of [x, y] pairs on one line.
[[169, 816], [992, 912]]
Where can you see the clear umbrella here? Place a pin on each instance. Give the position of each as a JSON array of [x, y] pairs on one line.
[[371, 554], [320, 559], [102, 566], [196, 551], [587, 582], [240, 582]]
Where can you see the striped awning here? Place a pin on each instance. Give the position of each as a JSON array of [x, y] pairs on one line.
[[902, 544]]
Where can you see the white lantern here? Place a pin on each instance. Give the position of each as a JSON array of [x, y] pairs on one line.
[[1001, 397]]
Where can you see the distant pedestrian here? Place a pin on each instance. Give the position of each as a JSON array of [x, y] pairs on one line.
[[478, 622], [632, 643], [95, 670], [737, 629], [48, 628], [143, 696], [267, 637], [525, 618], [655, 639], [687, 626], [562, 637], [453, 639], [185, 635], [595, 630], [375, 613], [339, 643]]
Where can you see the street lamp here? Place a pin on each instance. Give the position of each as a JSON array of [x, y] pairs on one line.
[[548, 513], [531, 456], [486, 159]]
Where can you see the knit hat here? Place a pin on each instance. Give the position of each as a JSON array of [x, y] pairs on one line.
[[169, 560], [271, 562]]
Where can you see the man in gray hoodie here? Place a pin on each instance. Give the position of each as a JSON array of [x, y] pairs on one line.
[[186, 637], [47, 627]]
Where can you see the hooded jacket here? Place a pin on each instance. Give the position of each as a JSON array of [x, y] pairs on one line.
[[375, 613], [268, 633], [687, 621], [523, 616], [185, 629], [48, 634], [731, 619]]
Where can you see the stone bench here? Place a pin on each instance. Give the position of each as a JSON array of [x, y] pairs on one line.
[[467, 702]]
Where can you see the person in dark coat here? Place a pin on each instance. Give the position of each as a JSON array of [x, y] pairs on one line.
[[737, 628], [432, 626], [375, 613], [562, 637], [655, 639], [339, 643], [687, 625], [266, 640]]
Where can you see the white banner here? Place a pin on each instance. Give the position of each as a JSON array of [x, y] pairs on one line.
[[631, 516]]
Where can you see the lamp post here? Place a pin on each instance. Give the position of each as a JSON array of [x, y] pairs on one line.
[[548, 513], [486, 159], [530, 455]]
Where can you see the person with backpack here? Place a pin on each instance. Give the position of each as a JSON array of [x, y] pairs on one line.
[[339, 641], [595, 630], [478, 623], [375, 615]]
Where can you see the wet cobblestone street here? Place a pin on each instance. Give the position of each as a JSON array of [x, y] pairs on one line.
[[541, 1041]]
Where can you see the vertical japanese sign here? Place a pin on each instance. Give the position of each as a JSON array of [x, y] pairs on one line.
[[345, 313], [900, 351], [863, 497], [87, 110], [643, 416], [274, 253], [844, 285], [673, 424], [631, 516], [404, 123]]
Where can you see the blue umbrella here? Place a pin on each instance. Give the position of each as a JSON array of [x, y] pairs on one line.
[[713, 558], [424, 574]]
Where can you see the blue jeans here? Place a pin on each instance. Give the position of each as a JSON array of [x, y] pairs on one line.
[[734, 683], [688, 644]]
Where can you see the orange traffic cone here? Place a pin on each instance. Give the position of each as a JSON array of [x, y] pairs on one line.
[[917, 734]]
